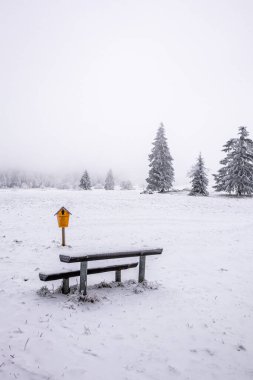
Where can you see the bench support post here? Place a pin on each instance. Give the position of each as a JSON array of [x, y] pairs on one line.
[[83, 277], [142, 263], [118, 275], [65, 285]]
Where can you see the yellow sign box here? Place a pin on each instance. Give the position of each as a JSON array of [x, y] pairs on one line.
[[63, 217]]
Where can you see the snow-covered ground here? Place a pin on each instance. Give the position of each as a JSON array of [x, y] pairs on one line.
[[198, 323]]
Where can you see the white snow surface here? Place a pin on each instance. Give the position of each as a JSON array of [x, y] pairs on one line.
[[195, 324]]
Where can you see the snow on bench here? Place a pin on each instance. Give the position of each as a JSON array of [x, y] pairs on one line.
[[83, 259]]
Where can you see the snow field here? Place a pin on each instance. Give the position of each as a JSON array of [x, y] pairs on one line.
[[198, 323]]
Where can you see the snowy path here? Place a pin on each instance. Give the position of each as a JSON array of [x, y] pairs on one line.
[[197, 325]]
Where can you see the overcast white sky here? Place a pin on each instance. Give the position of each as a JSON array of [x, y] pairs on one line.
[[85, 84]]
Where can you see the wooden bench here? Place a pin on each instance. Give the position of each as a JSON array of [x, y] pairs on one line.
[[65, 276], [84, 259]]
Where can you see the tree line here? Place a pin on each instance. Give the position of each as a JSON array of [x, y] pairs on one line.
[[234, 177], [32, 180], [109, 184]]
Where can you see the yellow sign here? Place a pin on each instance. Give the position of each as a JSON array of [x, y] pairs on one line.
[[63, 217]]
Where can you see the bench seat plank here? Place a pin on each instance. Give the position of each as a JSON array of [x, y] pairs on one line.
[[75, 273], [111, 255]]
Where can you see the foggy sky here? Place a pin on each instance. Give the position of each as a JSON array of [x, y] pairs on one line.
[[85, 84]]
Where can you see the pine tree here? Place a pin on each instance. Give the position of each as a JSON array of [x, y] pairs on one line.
[[109, 181], [199, 178], [236, 175], [85, 183], [161, 173]]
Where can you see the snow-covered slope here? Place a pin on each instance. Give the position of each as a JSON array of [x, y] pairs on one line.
[[196, 325]]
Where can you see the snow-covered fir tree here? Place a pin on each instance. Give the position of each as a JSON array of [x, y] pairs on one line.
[[109, 181], [85, 183], [236, 174], [199, 178], [161, 173]]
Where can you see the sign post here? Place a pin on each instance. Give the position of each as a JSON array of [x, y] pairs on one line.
[[63, 236], [63, 221]]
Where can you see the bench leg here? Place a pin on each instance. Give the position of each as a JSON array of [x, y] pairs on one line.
[[118, 275], [142, 263], [65, 286], [83, 277]]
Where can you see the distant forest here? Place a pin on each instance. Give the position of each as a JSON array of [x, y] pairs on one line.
[[33, 180], [25, 180]]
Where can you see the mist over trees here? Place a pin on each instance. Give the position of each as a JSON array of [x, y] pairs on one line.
[[126, 185], [234, 177], [33, 180], [15, 179], [109, 181], [85, 182]]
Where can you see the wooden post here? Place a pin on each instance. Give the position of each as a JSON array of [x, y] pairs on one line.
[[142, 268], [118, 275], [63, 236], [83, 277], [65, 285]]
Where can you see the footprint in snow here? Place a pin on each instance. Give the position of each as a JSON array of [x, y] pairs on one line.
[[89, 352], [240, 347], [173, 370], [209, 352]]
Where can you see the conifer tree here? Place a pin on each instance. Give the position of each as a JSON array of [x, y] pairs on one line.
[[199, 178], [161, 173], [236, 174], [109, 181], [85, 183]]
